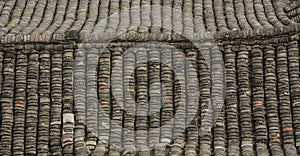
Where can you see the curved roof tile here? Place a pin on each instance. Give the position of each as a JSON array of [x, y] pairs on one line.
[[65, 91], [80, 17]]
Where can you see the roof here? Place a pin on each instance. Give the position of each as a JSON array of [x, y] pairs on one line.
[[61, 19], [130, 77]]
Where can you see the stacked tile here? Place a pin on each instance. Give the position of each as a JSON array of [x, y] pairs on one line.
[[47, 19], [293, 60], [217, 94], [6, 11], [296, 18], [15, 17], [188, 23], [70, 17], [205, 125], [58, 18], [292, 6], [91, 98], [271, 14], [250, 15], [68, 65], [1, 5], [281, 15], [219, 14], [154, 97], [284, 101], [26, 16], [19, 104], [166, 74], [104, 94], [25, 19], [177, 16], [81, 15], [129, 103], [67, 97], [293, 11], [32, 103], [79, 100], [117, 101], [230, 15], [209, 15], [44, 103], [240, 14], [145, 16], [56, 100], [135, 17], [179, 102], [124, 17], [166, 17], [192, 98], [141, 124], [271, 101], [1, 80], [36, 17], [160, 149], [257, 75], [113, 18], [260, 14], [232, 116], [7, 103], [102, 17], [67, 134], [198, 16], [244, 101], [156, 15], [177, 20], [92, 17]]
